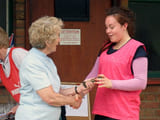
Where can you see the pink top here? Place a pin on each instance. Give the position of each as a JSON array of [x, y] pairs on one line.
[[119, 103], [140, 67]]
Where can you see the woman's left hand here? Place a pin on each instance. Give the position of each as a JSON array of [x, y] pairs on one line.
[[103, 81], [78, 101]]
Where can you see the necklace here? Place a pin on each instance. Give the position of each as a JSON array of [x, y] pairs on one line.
[[121, 45]]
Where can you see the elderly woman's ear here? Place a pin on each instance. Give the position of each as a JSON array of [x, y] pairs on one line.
[[47, 42]]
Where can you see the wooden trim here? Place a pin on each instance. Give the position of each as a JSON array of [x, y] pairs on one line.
[[153, 81], [14, 19], [27, 45]]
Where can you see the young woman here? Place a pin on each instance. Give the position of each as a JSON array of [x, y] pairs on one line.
[[122, 69]]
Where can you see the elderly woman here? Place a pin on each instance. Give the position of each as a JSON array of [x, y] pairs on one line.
[[41, 95]]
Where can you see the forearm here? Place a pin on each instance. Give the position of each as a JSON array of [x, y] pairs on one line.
[[79, 89], [53, 98], [94, 72], [13, 109], [139, 82], [61, 100], [67, 91]]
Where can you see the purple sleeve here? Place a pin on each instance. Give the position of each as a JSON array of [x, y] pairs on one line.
[[94, 71], [139, 82]]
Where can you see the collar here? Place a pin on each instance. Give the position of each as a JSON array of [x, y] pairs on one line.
[[7, 54]]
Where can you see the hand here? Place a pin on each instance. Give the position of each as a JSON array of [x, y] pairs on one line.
[[89, 83], [77, 97], [85, 86], [77, 103], [13, 110], [103, 81]]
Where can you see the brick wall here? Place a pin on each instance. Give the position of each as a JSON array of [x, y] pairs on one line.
[[150, 103], [6, 100], [19, 23]]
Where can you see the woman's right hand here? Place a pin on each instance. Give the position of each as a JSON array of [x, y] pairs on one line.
[[77, 100], [103, 81]]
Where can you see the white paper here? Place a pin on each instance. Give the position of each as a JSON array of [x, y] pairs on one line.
[[70, 37]]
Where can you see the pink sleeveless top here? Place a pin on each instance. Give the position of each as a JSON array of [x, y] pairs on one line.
[[118, 104]]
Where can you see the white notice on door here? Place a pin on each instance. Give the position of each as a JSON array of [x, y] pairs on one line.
[[70, 37]]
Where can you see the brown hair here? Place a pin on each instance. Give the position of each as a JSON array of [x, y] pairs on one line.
[[4, 40], [122, 15]]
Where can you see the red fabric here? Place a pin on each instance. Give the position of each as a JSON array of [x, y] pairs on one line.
[[12, 83], [118, 104]]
